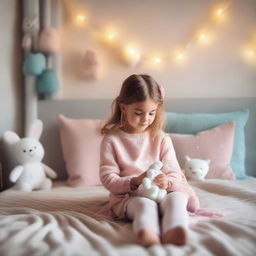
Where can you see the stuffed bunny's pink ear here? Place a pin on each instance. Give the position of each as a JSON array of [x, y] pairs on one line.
[[11, 137], [36, 129]]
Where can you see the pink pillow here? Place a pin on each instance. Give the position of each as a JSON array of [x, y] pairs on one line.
[[80, 140], [215, 144]]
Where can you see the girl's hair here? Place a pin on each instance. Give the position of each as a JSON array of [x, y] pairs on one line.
[[136, 88]]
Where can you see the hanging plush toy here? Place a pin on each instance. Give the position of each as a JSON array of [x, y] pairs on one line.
[[89, 68], [29, 26], [49, 41], [47, 82], [30, 173], [34, 64], [148, 188]]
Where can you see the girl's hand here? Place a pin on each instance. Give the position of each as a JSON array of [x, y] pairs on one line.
[[136, 181], [161, 181]]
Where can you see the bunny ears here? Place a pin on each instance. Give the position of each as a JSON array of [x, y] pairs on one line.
[[35, 131]]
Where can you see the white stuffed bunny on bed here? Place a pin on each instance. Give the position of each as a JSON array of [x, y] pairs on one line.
[[31, 173], [196, 169], [148, 188]]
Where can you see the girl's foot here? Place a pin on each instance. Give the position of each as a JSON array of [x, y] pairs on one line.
[[147, 237], [177, 236]]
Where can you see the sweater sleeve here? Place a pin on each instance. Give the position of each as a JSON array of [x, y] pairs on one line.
[[177, 179], [110, 171], [168, 155]]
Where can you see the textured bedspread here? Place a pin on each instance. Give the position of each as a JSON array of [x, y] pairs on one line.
[[65, 221]]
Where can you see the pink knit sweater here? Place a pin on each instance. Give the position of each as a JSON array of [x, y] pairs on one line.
[[124, 155]]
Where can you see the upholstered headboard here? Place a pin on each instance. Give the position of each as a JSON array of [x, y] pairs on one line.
[[48, 111]]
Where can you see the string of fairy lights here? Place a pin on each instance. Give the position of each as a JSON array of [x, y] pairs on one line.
[[133, 55], [249, 51]]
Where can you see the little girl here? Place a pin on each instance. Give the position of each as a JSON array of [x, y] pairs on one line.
[[133, 140]]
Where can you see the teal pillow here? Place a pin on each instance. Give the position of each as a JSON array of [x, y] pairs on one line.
[[197, 122]]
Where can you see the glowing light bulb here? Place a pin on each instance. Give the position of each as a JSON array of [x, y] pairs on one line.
[[110, 35], [80, 19], [132, 55], [180, 57], [131, 51], [203, 37], [219, 13], [249, 54], [156, 60]]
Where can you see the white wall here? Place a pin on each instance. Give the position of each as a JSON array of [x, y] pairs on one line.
[[217, 70], [11, 104], [10, 61]]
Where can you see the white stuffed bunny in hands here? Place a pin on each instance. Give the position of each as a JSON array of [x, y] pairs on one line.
[[148, 188], [196, 169], [31, 173]]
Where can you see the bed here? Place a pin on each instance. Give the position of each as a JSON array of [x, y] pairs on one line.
[[69, 220], [64, 221]]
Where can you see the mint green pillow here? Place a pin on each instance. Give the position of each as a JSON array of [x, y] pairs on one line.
[[197, 122]]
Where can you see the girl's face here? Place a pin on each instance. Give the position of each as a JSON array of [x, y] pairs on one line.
[[139, 115]]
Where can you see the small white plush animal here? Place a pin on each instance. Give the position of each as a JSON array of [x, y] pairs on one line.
[[196, 169], [148, 188], [31, 173], [29, 26]]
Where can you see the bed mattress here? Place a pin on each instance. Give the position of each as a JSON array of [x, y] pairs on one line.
[[69, 221]]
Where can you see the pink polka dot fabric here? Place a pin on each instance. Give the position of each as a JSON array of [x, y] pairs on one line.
[[215, 144]]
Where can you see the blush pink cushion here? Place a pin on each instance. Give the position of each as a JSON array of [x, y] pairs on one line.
[[80, 140], [215, 144]]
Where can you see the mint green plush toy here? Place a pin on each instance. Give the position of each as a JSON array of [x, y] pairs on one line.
[[47, 82], [34, 64]]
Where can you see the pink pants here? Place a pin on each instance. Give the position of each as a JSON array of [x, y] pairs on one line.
[[159, 218]]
